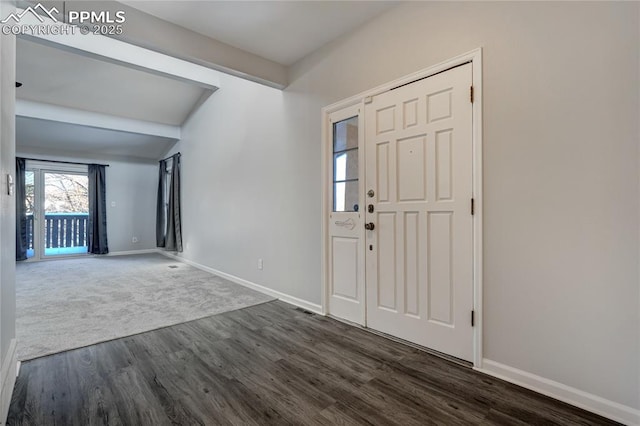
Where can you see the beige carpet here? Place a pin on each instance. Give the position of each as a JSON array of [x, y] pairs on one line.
[[66, 304]]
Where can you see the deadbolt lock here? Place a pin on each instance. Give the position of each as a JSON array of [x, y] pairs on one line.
[[370, 193]]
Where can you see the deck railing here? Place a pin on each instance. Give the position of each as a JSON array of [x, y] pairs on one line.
[[61, 230]]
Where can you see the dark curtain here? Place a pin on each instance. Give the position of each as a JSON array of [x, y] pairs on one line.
[[161, 208], [174, 228], [97, 225], [21, 210]]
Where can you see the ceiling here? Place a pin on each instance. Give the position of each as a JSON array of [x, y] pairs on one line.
[[50, 136], [282, 31], [58, 77]]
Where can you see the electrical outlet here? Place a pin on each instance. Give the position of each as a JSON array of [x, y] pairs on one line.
[[260, 264], [134, 239]]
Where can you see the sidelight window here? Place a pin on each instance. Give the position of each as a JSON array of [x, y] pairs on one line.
[[345, 165]]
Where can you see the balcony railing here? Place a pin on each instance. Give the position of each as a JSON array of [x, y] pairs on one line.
[[61, 230]]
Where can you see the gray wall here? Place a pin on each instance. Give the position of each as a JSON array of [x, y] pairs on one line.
[[7, 203], [246, 190], [132, 185], [561, 184]]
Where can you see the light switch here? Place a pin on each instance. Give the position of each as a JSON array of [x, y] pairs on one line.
[[113, 204], [9, 184]]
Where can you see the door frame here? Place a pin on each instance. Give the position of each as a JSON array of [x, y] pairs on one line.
[[475, 57]]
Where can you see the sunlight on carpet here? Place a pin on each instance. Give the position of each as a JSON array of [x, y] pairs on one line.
[[67, 304]]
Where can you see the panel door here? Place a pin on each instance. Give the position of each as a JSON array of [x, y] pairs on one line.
[[346, 261], [419, 255]]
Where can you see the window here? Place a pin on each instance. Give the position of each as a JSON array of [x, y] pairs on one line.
[[345, 165], [57, 209]]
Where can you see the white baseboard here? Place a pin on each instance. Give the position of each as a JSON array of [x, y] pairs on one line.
[[8, 379], [128, 252], [610, 409], [262, 289]]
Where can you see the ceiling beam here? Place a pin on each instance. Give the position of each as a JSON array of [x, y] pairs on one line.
[[154, 33], [108, 49], [147, 31], [61, 114]]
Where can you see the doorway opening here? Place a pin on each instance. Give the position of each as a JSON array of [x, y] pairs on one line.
[[57, 206]]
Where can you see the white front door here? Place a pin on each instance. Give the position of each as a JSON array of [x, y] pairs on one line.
[[418, 178]]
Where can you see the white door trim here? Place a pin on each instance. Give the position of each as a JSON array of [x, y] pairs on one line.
[[475, 57]]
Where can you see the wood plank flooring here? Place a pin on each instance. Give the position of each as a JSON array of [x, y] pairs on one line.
[[269, 364]]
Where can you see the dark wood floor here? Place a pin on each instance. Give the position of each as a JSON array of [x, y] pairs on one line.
[[269, 364]]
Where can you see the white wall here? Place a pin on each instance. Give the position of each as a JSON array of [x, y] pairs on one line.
[[250, 191], [561, 175], [7, 215], [132, 185]]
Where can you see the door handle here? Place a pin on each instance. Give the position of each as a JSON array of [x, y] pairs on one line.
[[369, 226]]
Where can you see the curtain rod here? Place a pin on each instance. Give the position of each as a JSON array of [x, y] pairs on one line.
[[62, 162], [165, 159]]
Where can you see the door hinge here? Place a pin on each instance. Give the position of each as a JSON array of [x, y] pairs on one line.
[[473, 207], [471, 94], [473, 322]]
